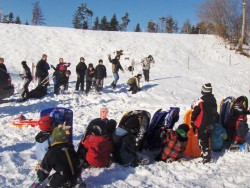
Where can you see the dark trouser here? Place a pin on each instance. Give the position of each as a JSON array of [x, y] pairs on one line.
[[25, 89], [134, 88], [56, 180], [88, 86], [80, 81], [204, 140], [99, 84], [146, 75]]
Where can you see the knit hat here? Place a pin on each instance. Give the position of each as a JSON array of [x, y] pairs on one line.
[[59, 134], [206, 89], [24, 63], [45, 123], [184, 127], [82, 58], [90, 65]]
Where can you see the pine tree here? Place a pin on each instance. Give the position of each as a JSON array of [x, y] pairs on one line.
[[11, 18], [138, 28], [171, 25], [5, 19], [104, 25], [82, 18], [37, 14], [125, 22], [152, 27], [113, 25], [186, 28], [96, 24], [18, 21]]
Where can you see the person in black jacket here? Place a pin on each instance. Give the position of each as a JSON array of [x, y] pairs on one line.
[[42, 70], [100, 74], [203, 119], [27, 77], [116, 66], [62, 158], [80, 71], [2, 65], [61, 80]]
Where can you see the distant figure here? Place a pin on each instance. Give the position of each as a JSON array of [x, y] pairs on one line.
[[42, 70], [80, 71], [134, 83], [203, 119], [27, 77], [90, 73], [146, 66], [2, 65], [116, 66], [100, 74]]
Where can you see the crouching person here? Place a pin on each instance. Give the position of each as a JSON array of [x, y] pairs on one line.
[[128, 138], [62, 158], [96, 147], [134, 83], [174, 143], [61, 80]]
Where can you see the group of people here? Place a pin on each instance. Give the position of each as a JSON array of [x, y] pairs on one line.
[[106, 141]]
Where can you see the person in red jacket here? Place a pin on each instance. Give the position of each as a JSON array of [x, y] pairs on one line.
[[96, 146], [203, 119]]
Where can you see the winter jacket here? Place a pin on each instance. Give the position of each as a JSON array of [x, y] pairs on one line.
[[173, 144], [43, 141], [100, 72], [90, 74], [60, 78], [81, 69], [42, 69], [146, 63], [218, 137], [99, 149], [26, 74], [62, 66], [116, 65], [134, 80], [204, 112], [62, 158], [3, 67]]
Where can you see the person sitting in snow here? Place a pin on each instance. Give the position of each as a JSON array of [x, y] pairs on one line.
[[62, 158], [174, 143], [61, 80], [134, 83], [96, 147]]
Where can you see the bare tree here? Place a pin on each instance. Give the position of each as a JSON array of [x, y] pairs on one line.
[[37, 14]]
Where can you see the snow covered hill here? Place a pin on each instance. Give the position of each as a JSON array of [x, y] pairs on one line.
[[183, 64]]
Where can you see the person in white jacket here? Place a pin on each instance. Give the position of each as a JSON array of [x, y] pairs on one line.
[[146, 66]]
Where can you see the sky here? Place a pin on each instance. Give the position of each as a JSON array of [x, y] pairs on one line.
[[60, 12]]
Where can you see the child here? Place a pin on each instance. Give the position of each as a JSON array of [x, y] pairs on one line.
[[134, 83], [62, 158], [174, 143], [90, 73], [27, 77], [61, 80], [100, 74]]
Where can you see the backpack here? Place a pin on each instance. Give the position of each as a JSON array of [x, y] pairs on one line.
[[226, 109], [160, 119]]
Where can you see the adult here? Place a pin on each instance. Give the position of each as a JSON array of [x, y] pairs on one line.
[[2, 65], [90, 73], [42, 70], [146, 66], [27, 77], [96, 145], [80, 71], [134, 83], [116, 66], [203, 119], [100, 74]]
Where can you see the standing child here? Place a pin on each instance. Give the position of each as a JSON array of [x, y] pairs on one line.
[[90, 73], [174, 143], [203, 119], [100, 74], [80, 71], [27, 77]]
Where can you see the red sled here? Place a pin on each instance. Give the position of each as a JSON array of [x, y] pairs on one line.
[[21, 121]]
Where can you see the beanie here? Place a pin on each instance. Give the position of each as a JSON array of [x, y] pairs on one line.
[[206, 89], [90, 65], [182, 133], [184, 127], [23, 62], [45, 123], [59, 134]]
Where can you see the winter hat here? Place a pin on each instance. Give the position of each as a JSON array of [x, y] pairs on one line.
[[59, 134], [91, 65], [100, 61], [45, 123], [24, 63], [82, 58], [206, 89], [184, 127]]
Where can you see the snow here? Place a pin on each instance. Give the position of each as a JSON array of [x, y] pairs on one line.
[[183, 64]]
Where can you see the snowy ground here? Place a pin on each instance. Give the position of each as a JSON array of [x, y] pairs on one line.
[[183, 64]]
